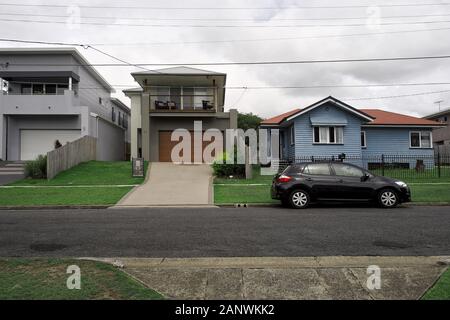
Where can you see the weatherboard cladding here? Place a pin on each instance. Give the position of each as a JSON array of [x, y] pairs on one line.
[[393, 141], [304, 146]]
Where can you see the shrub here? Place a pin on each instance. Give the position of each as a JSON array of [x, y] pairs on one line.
[[222, 169], [37, 169]]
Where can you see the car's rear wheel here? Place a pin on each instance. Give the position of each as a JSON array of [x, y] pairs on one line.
[[387, 198], [299, 199]]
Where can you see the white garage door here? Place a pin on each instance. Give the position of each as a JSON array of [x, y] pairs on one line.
[[36, 142]]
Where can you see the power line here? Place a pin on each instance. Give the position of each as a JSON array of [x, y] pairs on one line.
[[240, 63], [124, 63], [219, 26], [294, 7], [222, 19], [270, 39], [340, 86], [397, 96], [325, 86], [244, 40], [84, 46]]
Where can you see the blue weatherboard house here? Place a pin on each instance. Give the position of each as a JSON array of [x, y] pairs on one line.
[[332, 129]]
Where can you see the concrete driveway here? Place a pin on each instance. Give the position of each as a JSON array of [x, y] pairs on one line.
[[169, 184]]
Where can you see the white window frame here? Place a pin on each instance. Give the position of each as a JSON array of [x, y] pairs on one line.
[[420, 140], [328, 135], [292, 135], [365, 139]]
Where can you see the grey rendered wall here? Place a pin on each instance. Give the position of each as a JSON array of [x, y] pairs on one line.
[[110, 142], [442, 135], [89, 92], [16, 123], [62, 62]]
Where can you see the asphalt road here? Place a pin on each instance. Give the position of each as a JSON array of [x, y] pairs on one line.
[[214, 232]]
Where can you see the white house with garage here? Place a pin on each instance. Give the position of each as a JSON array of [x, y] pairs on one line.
[[54, 94]]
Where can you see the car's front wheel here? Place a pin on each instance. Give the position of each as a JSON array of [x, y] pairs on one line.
[[387, 198], [299, 199]]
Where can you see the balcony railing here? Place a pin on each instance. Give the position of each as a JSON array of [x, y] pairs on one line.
[[186, 103], [40, 104]]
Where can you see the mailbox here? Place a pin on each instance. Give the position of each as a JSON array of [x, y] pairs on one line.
[[138, 167]]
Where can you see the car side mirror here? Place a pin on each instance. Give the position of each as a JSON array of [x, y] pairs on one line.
[[365, 177]]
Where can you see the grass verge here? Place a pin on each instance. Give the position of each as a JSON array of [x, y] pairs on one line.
[[230, 194], [90, 173], [441, 290], [61, 196], [45, 279]]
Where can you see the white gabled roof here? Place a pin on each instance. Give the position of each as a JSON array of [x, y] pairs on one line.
[[337, 102], [181, 70], [61, 50]]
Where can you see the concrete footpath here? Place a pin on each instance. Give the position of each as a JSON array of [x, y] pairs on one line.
[[285, 278], [169, 184]]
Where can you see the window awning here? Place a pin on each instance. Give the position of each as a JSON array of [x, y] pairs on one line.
[[323, 120]]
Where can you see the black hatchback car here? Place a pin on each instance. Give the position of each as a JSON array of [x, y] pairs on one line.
[[300, 184]]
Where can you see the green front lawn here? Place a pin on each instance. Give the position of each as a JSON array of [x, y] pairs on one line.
[[256, 178], [231, 191], [430, 192], [90, 173], [231, 194], [412, 176], [38, 279], [62, 196], [407, 175], [441, 290]]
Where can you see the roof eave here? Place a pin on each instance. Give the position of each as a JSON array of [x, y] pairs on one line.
[[336, 101]]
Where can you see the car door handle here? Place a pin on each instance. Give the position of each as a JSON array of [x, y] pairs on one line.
[[340, 181], [309, 179]]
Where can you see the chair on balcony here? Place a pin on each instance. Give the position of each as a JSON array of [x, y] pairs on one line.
[[160, 105], [171, 105], [207, 105]]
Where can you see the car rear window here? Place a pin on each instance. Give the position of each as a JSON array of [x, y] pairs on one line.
[[294, 169], [317, 169]]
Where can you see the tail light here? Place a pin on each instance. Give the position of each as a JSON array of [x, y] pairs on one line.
[[284, 179]]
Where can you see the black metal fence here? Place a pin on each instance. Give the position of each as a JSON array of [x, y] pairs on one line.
[[409, 167]]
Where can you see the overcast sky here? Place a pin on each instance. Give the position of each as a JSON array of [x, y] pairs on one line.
[[154, 44]]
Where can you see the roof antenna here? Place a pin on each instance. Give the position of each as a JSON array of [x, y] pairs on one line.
[[439, 104]]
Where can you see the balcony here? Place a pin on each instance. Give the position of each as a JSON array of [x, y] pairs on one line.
[[63, 102], [183, 99]]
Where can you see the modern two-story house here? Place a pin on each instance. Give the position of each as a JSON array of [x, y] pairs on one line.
[[55, 94], [174, 98], [331, 128]]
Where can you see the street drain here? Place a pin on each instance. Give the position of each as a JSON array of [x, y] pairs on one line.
[[47, 247], [391, 244]]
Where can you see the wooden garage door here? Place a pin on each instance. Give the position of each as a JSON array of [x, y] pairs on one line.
[[166, 145]]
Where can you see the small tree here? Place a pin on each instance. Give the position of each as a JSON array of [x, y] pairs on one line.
[[248, 121]]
